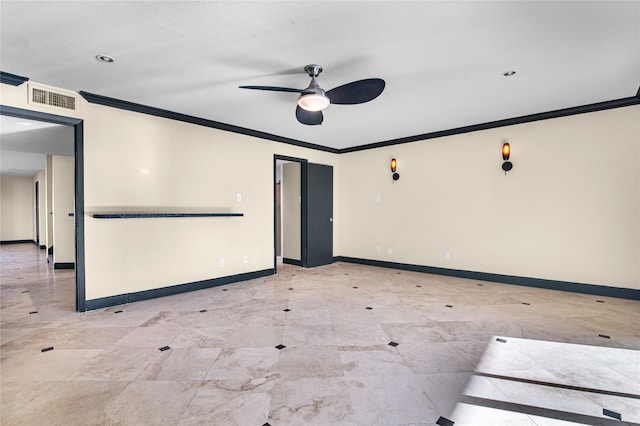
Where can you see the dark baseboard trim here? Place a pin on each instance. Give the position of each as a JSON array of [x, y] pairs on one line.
[[122, 299], [43, 247], [593, 289], [292, 261], [64, 265], [18, 242]]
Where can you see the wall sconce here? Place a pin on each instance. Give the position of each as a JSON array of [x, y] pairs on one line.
[[506, 152], [394, 164]]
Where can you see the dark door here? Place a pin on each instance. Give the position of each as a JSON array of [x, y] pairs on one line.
[[319, 210]]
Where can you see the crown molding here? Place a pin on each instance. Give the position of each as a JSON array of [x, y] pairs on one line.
[[12, 79]]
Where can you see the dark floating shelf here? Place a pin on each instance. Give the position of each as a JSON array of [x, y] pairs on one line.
[[161, 215]]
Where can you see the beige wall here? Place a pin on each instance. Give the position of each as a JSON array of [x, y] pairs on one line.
[[184, 174], [64, 250], [569, 210], [16, 208], [145, 162], [291, 211]]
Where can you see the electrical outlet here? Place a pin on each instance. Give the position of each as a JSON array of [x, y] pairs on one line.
[[446, 255], [388, 251], [239, 197], [377, 198], [377, 249], [221, 262], [245, 259]]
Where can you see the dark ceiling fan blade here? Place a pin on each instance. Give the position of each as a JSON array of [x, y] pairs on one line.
[[356, 92], [273, 88], [310, 118]]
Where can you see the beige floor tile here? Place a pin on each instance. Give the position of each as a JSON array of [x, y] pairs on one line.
[[115, 364], [53, 365], [360, 334], [391, 399], [255, 336], [202, 337], [311, 401], [181, 364], [373, 360], [311, 361], [431, 358], [337, 367], [229, 402], [149, 403], [308, 335], [244, 364], [69, 403]]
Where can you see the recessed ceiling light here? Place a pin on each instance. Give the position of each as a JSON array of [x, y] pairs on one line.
[[105, 58], [508, 73]]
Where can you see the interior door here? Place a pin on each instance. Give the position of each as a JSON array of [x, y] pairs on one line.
[[319, 211]]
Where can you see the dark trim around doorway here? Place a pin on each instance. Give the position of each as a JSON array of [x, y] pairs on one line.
[[77, 124], [303, 220]]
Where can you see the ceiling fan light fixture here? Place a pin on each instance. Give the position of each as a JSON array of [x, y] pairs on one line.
[[313, 102]]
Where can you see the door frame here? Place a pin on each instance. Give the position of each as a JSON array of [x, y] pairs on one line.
[[78, 131], [303, 208], [37, 194]]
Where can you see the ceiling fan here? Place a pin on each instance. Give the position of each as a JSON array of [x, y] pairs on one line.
[[313, 99]]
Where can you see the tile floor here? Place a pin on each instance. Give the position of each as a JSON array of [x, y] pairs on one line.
[[336, 365]]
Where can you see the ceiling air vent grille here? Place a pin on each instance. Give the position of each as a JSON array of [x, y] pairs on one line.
[[45, 97]]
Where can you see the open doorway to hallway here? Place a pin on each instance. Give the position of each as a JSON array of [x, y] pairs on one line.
[[288, 211], [40, 190], [303, 212]]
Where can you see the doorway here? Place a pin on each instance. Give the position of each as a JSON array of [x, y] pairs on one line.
[[303, 212], [78, 175], [288, 201]]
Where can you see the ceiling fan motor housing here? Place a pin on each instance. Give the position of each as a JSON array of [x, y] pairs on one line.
[[313, 70]]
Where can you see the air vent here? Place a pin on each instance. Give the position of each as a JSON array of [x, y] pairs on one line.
[[45, 96], [59, 100]]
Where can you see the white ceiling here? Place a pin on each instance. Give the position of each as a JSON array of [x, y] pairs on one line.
[[442, 61], [25, 143]]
